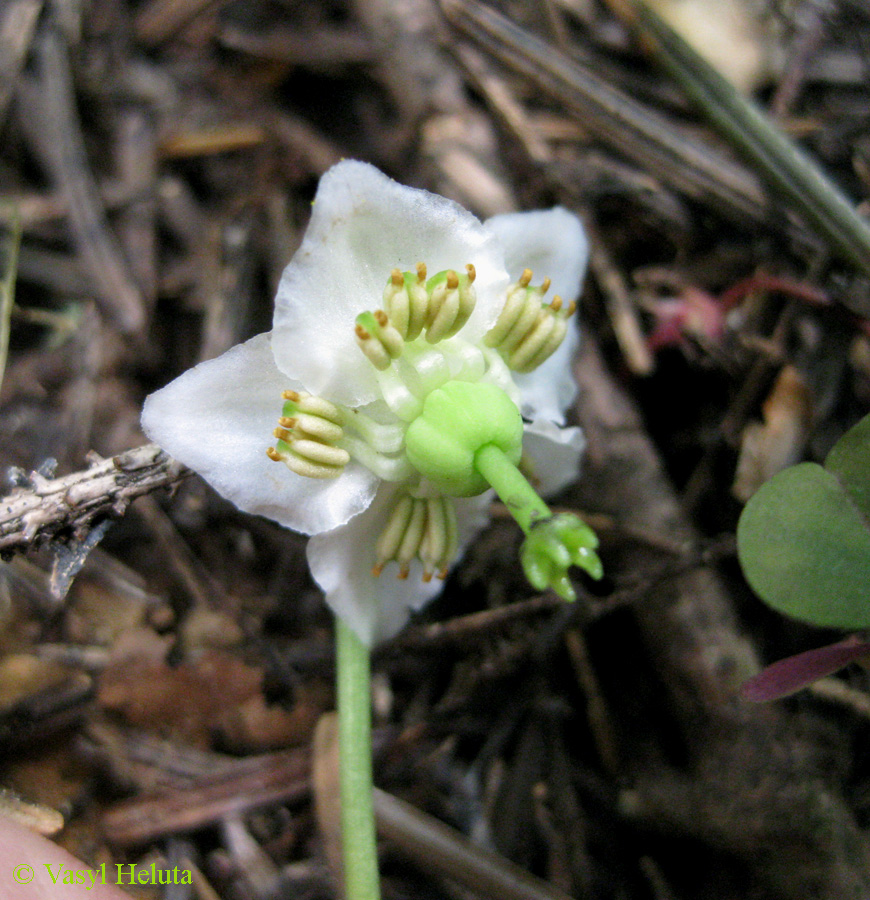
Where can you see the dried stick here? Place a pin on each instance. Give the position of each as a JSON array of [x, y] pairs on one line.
[[50, 506], [17, 24], [786, 167], [64, 153], [635, 131]]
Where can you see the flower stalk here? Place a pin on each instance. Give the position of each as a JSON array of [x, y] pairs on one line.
[[359, 845]]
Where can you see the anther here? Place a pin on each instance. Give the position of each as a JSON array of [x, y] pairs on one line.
[[418, 528], [315, 406], [528, 331], [405, 301], [307, 432], [378, 339], [451, 301]]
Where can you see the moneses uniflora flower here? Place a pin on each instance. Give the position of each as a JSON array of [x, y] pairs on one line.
[[414, 359]]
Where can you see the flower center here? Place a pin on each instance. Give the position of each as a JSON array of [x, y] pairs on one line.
[[456, 428]]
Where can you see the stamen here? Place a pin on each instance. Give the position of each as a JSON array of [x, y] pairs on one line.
[[547, 331], [316, 406], [380, 437], [386, 467], [307, 468], [378, 338], [452, 299], [439, 544], [307, 433], [528, 331], [421, 528], [406, 301]]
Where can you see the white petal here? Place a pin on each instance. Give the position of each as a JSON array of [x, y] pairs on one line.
[[553, 245], [363, 225], [218, 418], [554, 454], [341, 561]]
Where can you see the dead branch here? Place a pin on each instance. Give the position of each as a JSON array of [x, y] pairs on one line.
[[49, 506]]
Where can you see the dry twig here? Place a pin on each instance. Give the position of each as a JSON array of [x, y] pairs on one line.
[[49, 506]]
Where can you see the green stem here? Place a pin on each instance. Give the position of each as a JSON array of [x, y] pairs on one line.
[[511, 486], [359, 845]]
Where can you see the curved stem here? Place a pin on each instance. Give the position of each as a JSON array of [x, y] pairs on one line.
[[359, 847], [511, 486]]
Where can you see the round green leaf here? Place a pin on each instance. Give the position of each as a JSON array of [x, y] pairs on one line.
[[849, 460], [805, 548]]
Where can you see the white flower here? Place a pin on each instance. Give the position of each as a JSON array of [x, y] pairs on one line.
[[350, 409]]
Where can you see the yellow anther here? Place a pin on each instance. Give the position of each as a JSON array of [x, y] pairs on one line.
[[320, 453], [378, 338], [307, 437], [439, 544], [526, 320], [451, 301], [302, 466], [317, 427], [406, 301], [315, 406], [534, 341], [418, 528], [528, 331]]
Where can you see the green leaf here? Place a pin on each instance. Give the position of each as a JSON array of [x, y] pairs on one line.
[[850, 462], [804, 542]]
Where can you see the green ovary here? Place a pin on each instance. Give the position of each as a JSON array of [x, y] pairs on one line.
[[457, 420]]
